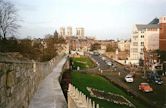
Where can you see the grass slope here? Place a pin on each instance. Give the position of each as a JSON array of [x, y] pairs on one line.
[[83, 62], [83, 80]]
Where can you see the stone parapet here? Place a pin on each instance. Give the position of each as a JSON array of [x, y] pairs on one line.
[[19, 81], [77, 99]]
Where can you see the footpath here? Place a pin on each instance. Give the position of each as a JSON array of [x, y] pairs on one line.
[[49, 93]]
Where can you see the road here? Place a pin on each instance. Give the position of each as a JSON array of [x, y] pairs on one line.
[[157, 98], [103, 65]]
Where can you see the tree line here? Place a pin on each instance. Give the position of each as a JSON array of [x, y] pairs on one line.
[[36, 49]]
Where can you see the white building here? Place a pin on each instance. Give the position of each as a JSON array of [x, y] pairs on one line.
[[80, 32], [69, 31], [103, 49], [124, 45], [143, 36], [62, 31]]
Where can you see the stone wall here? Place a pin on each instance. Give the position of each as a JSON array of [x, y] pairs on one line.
[[77, 99], [19, 81]]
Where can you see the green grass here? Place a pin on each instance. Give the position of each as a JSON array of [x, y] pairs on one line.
[[83, 80], [83, 62]]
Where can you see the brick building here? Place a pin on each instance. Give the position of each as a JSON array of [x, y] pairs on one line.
[[162, 34]]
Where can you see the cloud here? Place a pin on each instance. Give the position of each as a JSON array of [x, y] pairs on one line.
[[101, 17]]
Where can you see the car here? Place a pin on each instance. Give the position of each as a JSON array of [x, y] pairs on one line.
[[145, 87], [103, 58], [154, 77], [158, 80], [96, 53], [129, 78], [109, 63]]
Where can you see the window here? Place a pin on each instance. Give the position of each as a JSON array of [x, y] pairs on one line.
[[135, 37], [152, 29], [135, 50], [142, 36], [142, 43], [135, 43]]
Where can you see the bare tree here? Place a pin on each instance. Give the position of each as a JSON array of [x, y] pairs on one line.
[[8, 19]]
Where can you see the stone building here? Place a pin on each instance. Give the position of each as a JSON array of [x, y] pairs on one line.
[[69, 31], [62, 31], [80, 32], [76, 44], [124, 45]]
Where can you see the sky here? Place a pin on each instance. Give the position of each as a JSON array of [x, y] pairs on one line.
[[104, 19]]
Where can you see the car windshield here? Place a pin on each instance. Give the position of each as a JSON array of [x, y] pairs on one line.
[[145, 84], [129, 76]]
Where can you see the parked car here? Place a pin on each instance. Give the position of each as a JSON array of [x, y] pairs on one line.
[[154, 77], [129, 78], [145, 87], [103, 58], [108, 62], [158, 80], [96, 53]]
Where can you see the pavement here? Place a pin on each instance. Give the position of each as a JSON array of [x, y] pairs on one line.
[[49, 93]]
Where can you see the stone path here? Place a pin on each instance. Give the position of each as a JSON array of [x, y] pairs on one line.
[[49, 93]]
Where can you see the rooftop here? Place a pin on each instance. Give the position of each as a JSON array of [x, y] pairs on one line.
[[154, 21], [153, 24], [146, 26]]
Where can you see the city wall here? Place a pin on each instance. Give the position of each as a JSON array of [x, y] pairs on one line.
[[19, 80]]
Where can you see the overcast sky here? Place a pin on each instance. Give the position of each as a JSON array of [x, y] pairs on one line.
[[105, 19]]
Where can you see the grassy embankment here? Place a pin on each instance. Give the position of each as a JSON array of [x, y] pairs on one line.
[[83, 62], [83, 80]]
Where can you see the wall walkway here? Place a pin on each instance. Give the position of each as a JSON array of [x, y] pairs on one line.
[[49, 93]]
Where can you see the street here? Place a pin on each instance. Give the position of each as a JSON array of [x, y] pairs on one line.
[[156, 98]]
